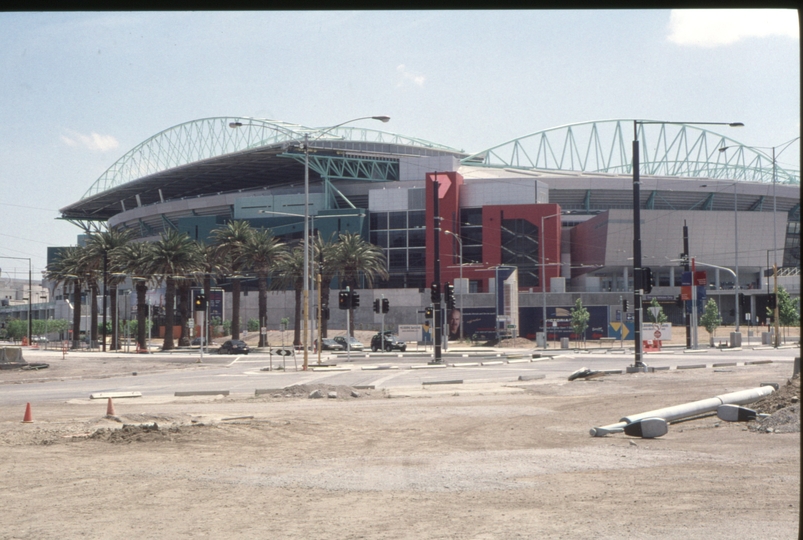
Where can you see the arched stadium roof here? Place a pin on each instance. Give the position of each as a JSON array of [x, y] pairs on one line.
[[207, 156], [666, 149]]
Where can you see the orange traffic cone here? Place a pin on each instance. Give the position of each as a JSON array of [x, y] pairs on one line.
[[28, 418], [110, 408]]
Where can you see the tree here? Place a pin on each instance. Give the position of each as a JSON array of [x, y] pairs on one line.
[[173, 258], [661, 318], [354, 258], [788, 310], [102, 244], [134, 259], [289, 273], [580, 318], [711, 319], [69, 268], [230, 240], [326, 265], [261, 253]]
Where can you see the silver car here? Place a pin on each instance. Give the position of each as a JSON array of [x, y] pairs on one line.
[[349, 342]]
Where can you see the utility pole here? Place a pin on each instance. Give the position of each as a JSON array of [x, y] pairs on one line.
[[436, 300], [686, 268]]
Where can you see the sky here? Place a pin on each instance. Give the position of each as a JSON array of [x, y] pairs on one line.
[[78, 90]]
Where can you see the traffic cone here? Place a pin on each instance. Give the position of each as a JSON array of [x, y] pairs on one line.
[[28, 418], [110, 408]]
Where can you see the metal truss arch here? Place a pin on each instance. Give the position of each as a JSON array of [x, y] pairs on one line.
[[208, 138], [605, 146]]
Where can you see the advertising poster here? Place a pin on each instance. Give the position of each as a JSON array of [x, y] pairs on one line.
[[559, 322]]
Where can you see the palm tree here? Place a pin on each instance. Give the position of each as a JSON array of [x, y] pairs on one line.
[[69, 268], [230, 240], [326, 265], [100, 245], [211, 264], [357, 257], [260, 254], [134, 259], [289, 273], [173, 257]]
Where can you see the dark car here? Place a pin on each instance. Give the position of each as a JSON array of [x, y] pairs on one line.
[[391, 342], [196, 342], [328, 344], [353, 343], [233, 346]]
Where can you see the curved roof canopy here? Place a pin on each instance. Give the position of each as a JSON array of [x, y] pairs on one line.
[[207, 156], [667, 149]]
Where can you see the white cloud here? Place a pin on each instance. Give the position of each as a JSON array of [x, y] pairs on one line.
[[418, 80], [93, 141], [715, 27]]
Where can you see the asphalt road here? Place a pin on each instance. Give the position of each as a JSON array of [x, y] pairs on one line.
[[243, 375]]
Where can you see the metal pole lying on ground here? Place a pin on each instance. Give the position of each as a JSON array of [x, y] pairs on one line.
[[687, 410]]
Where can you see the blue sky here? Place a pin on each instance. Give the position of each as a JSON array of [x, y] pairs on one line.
[[81, 89]]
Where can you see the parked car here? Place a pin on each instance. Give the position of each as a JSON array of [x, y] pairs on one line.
[[353, 343], [391, 342], [196, 342], [233, 346], [328, 344]]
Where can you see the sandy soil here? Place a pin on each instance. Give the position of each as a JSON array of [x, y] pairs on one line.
[[461, 461]]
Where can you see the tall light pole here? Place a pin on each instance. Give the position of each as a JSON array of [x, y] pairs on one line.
[[638, 285], [306, 142], [460, 243], [30, 291], [543, 276]]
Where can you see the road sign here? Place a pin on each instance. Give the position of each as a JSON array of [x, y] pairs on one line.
[[284, 352]]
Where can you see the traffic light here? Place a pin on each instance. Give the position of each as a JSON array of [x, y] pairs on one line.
[[355, 299], [435, 293], [647, 280], [377, 304], [772, 301], [448, 293], [624, 306], [344, 300], [324, 312], [385, 305], [428, 313], [200, 303]]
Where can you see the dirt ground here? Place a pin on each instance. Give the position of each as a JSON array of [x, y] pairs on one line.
[[480, 461]]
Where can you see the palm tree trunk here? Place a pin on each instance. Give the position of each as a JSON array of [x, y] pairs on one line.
[[115, 330], [76, 316], [325, 289], [94, 314], [142, 315], [170, 298], [263, 308], [184, 313], [235, 309], [297, 319]]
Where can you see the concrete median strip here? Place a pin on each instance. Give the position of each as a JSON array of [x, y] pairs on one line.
[[532, 377], [692, 366], [458, 381], [202, 393], [428, 366], [376, 368], [324, 368], [465, 364], [115, 395], [493, 363], [519, 361]]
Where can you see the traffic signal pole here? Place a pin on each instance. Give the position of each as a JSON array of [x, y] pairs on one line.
[[435, 291]]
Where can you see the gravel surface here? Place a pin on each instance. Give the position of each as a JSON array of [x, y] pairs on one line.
[[490, 460]]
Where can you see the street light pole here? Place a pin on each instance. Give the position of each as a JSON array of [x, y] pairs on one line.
[[638, 284], [306, 141]]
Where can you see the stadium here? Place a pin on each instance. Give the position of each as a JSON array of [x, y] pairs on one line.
[[555, 205]]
